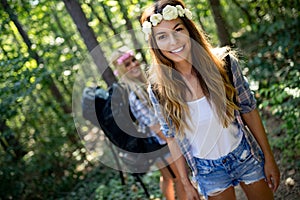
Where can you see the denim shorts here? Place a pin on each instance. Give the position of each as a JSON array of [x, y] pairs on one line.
[[215, 176]]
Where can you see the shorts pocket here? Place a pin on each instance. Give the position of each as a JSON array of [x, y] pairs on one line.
[[245, 155], [204, 170]]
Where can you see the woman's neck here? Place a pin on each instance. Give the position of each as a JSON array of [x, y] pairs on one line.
[[190, 77], [142, 79], [185, 69]]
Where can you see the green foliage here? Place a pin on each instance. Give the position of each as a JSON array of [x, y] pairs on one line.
[[105, 184], [37, 137], [273, 46], [41, 155]]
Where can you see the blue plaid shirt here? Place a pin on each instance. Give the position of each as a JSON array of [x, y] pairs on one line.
[[246, 101], [145, 116]]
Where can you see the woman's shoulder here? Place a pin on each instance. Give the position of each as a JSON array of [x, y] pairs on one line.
[[222, 52]]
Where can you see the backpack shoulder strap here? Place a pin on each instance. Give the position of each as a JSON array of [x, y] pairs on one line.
[[228, 68], [230, 74], [124, 92]]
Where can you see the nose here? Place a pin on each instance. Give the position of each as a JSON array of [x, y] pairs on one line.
[[173, 39], [133, 64]]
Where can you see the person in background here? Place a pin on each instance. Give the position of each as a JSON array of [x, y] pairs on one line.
[[130, 73], [193, 98]]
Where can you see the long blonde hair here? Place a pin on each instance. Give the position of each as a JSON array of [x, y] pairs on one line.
[[138, 85], [170, 87]]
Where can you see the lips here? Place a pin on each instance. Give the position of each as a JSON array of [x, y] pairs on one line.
[[177, 50], [135, 70]]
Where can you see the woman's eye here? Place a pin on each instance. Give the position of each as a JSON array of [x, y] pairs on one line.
[[133, 59], [161, 37], [178, 29]]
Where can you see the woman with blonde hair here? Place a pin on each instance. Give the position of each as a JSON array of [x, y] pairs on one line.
[[203, 115], [130, 73]]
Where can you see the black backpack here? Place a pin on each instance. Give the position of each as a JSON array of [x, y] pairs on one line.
[[110, 110]]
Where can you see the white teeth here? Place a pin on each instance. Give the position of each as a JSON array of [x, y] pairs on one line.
[[177, 50], [135, 70]]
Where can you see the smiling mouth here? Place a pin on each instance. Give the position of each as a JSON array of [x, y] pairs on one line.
[[177, 50], [135, 70]]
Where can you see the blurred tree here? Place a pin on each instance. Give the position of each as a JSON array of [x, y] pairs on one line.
[[199, 12], [221, 23], [130, 28], [107, 17], [245, 11], [10, 143], [90, 40], [55, 91]]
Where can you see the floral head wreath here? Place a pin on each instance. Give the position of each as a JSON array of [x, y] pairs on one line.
[[123, 57], [168, 13]]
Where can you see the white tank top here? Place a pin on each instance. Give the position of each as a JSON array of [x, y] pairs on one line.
[[207, 136]]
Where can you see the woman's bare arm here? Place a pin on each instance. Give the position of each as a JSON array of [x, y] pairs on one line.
[[179, 160], [253, 121], [156, 129]]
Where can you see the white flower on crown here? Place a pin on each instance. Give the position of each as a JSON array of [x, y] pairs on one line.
[[180, 10], [147, 27], [188, 14], [156, 19], [168, 13]]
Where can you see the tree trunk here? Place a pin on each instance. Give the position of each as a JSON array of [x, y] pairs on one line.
[[222, 30], [90, 40]]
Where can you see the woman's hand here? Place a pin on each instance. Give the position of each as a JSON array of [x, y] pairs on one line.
[[179, 160], [189, 189], [272, 173], [192, 193]]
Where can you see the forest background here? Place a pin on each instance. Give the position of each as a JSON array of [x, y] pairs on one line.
[[43, 45]]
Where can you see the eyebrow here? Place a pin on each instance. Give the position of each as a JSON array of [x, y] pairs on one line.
[[173, 29]]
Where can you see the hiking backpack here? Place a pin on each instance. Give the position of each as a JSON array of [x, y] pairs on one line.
[[110, 110]]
